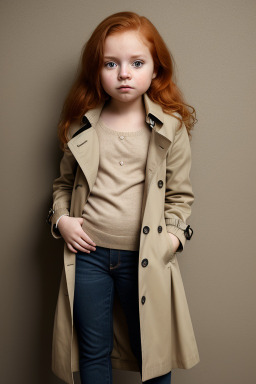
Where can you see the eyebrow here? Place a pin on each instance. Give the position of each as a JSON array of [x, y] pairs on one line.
[[132, 57]]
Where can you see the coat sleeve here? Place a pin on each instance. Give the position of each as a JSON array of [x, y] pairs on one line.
[[178, 194], [62, 190]]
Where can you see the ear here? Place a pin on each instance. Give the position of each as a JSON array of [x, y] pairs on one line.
[[154, 74]]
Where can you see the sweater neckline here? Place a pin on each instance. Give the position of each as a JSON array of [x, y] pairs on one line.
[[118, 133]]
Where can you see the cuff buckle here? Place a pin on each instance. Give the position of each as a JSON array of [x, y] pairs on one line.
[[188, 232], [49, 217]]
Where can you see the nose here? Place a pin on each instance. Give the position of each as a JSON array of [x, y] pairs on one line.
[[124, 72]]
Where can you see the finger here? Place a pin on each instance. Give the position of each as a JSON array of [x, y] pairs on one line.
[[87, 238], [84, 243], [80, 248], [71, 248]]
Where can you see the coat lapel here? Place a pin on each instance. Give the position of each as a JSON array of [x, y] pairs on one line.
[[85, 148], [85, 144], [158, 147]]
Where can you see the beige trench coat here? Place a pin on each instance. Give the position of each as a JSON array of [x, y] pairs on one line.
[[167, 336]]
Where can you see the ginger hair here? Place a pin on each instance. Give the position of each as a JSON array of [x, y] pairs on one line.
[[87, 92]]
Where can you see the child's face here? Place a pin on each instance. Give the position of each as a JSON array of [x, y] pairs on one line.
[[127, 61]]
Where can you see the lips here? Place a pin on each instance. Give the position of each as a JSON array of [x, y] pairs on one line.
[[124, 86]]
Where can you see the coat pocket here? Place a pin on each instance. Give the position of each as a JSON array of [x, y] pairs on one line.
[[172, 254]]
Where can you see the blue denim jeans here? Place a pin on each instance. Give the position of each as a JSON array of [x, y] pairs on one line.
[[98, 274]]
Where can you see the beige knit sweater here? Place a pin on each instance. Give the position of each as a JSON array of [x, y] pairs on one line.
[[112, 213]]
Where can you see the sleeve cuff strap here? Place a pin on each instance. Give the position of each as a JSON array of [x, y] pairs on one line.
[[180, 229], [177, 223]]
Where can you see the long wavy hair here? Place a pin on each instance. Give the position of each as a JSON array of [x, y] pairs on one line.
[[87, 92]]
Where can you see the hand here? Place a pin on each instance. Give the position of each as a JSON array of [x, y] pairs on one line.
[[175, 241], [73, 234]]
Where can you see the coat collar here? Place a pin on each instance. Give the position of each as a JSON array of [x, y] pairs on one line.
[[85, 144], [153, 111]]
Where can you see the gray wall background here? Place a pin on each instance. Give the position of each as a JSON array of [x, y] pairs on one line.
[[213, 43]]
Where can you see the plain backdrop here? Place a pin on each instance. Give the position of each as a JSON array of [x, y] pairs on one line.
[[213, 44]]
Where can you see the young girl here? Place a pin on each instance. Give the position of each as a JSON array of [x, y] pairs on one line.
[[121, 204]]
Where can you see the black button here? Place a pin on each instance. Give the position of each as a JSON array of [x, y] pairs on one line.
[[159, 228], [160, 183], [143, 299], [146, 229], [144, 262]]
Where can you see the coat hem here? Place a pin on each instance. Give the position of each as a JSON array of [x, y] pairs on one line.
[[67, 379], [162, 369], [152, 372]]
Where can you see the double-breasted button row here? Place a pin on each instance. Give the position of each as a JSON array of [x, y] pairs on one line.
[[144, 262], [146, 229]]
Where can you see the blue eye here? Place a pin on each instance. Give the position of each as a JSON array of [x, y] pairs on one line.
[[137, 61], [107, 64], [111, 64]]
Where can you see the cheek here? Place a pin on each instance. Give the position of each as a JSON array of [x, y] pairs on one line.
[[144, 79], [106, 79]]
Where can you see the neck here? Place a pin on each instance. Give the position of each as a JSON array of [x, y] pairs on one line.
[[126, 109]]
